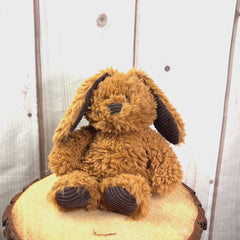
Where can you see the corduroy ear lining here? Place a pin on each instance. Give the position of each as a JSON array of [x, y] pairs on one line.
[[87, 101], [165, 123]]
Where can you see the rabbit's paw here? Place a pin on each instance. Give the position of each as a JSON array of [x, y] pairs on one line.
[[120, 200], [73, 197], [126, 194], [75, 190]]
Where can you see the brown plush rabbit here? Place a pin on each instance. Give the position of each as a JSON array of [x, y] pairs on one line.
[[117, 161]]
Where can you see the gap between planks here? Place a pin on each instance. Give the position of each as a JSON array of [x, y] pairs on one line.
[[224, 121], [37, 35], [136, 33]]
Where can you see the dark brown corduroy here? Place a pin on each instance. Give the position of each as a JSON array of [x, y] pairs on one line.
[[73, 197], [165, 123], [127, 203], [115, 108]]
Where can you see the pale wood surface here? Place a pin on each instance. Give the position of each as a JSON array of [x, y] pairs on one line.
[[74, 47], [193, 38], [170, 217], [19, 163]]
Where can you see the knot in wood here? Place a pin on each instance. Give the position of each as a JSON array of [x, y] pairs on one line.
[[102, 20]]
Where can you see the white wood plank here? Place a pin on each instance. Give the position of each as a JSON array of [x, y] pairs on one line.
[[193, 38], [19, 163], [74, 47], [227, 214]]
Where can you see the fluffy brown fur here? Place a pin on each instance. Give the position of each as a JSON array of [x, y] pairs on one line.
[[118, 149]]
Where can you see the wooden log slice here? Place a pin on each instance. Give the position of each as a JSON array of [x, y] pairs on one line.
[[30, 216]]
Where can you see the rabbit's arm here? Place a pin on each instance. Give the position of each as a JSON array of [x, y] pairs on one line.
[[66, 156], [165, 172]]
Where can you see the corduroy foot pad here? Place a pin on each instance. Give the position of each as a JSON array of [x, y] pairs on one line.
[[73, 197], [120, 200]]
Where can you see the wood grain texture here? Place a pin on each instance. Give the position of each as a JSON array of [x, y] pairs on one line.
[[226, 214], [20, 222], [19, 162], [77, 40], [186, 53]]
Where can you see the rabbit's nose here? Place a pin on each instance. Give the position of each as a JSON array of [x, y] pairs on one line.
[[115, 108]]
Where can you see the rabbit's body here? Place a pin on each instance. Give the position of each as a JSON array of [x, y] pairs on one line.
[[118, 159], [108, 155]]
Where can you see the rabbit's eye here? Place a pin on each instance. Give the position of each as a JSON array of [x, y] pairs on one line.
[[128, 98]]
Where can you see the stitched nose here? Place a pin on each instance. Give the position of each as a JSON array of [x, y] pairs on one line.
[[115, 108]]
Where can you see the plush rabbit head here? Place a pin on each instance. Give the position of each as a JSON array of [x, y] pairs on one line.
[[118, 103]]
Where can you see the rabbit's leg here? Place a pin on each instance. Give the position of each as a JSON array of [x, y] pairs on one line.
[[75, 190], [126, 194]]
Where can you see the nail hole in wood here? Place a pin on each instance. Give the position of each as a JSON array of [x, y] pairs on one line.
[[211, 181], [167, 68], [102, 20]]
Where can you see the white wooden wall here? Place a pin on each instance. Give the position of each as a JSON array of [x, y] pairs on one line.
[[186, 46], [19, 152]]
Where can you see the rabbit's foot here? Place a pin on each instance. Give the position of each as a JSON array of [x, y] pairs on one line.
[[120, 200], [73, 197], [127, 194], [75, 190]]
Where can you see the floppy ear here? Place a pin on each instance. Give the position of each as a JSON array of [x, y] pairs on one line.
[[168, 122], [78, 107]]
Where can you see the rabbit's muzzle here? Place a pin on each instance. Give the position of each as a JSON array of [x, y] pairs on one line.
[[115, 108]]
